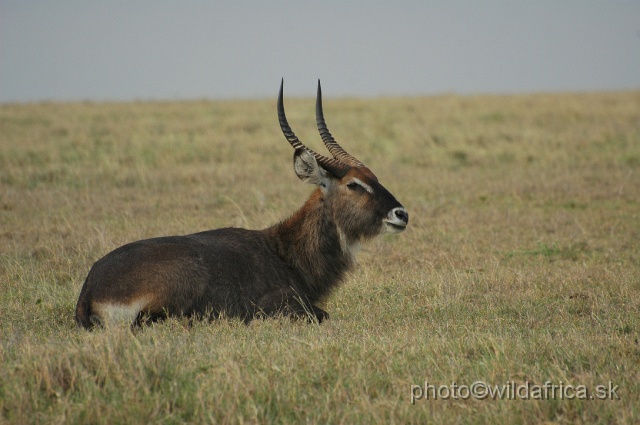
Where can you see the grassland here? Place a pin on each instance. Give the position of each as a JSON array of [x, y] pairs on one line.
[[521, 262]]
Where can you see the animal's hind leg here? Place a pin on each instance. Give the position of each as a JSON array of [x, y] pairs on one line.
[[147, 318]]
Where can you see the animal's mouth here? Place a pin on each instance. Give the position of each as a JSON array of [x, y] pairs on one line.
[[396, 220], [395, 226]]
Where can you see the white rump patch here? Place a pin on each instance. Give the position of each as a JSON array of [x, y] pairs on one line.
[[110, 314]]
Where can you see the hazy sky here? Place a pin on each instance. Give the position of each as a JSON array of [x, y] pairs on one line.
[[144, 49]]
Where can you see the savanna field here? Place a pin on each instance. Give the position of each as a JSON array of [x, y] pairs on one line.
[[520, 266]]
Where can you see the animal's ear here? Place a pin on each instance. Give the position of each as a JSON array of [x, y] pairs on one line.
[[308, 170]]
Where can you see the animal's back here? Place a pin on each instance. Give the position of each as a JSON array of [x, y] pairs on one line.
[[223, 271]]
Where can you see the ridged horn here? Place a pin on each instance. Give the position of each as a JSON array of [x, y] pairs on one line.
[[334, 166], [336, 150]]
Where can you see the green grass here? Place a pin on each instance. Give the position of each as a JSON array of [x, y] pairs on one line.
[[521, 263]]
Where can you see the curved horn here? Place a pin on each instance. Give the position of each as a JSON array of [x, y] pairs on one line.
[[336, 150], [333, 166]]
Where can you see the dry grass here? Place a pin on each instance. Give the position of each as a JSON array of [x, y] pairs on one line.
[[522, 261]]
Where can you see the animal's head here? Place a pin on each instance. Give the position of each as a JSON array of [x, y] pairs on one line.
[[360, 205]]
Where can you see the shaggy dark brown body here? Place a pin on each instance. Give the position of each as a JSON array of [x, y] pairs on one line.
[[285, 269], [230, 272]]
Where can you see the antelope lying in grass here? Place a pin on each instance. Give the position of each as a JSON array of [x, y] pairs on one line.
[[282, 270]]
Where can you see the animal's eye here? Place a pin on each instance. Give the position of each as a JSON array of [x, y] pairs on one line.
[[353, 185]]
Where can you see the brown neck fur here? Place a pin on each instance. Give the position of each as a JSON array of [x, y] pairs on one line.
[[309, 241]]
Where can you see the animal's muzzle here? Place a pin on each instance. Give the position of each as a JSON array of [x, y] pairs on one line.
[[397, 220]]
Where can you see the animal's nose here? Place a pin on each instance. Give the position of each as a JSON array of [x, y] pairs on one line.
[[402, 214]]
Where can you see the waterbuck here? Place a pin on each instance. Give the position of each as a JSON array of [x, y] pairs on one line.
[[282, 270]]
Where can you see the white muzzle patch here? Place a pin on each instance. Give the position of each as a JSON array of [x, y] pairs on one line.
[[396, 220]]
